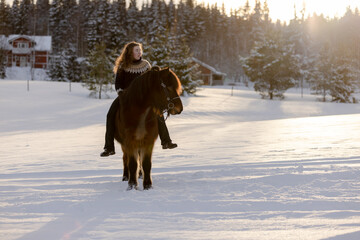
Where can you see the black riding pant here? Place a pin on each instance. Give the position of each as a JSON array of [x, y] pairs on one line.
[[110, 127]]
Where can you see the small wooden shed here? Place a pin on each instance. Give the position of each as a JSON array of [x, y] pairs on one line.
[[209, 74]]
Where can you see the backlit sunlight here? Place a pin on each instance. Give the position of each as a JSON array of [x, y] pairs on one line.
[[284, 9]]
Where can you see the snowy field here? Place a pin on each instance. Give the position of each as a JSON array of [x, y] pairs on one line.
[[245, 168]]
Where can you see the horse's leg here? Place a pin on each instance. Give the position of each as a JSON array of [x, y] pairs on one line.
[[133, 170], [141, 154], [146, 165], [126, 167]]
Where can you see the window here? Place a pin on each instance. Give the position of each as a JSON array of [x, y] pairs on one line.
[[23, 45]]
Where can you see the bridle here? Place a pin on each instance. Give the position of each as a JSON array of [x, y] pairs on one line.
[[170, 104]]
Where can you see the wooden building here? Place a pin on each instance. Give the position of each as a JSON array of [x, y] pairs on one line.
[[209, 75], [27, 51]]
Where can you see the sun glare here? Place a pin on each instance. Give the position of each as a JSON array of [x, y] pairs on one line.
[[284, 9]]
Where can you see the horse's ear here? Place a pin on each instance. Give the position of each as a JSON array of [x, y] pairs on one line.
[[155, 68]]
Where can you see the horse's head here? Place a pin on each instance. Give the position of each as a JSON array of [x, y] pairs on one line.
[[170, 91]]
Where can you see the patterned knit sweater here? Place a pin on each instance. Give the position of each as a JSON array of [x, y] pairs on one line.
[[124, 76]]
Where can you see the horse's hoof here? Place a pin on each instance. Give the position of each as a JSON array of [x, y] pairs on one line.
[[147, 187], [125, 179], [132, 186]]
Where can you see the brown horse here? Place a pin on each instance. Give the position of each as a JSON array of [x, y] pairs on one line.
[[148, 97]]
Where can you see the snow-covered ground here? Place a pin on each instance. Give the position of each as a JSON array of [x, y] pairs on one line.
[[245, 168]]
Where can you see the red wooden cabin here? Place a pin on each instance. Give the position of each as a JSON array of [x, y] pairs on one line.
[[27, 51]]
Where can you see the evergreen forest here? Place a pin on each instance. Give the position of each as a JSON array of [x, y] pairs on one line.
[[309, 51]]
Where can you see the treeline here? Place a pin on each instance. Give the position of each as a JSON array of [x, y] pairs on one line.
[[219, 39]]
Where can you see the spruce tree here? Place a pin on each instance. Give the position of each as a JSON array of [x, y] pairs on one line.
[[272, 66], [98, 24], [3, 55], [26, 17], [42, 17], [100, 75], [84, 10], [71, 65], [322, 72], [68, 23], [343, 82], [5, 15], [333, 75], [15, 17], [116, 25], [55, 18], [157, 49], [181, 62], [56, 70], [132, 21]]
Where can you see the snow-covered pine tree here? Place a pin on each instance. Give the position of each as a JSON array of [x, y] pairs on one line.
[[5, 14], [163, 10], [68, 23], [144, 22], [257, 31], [322, 73], [71, 66], [157, 49], [272, 66], [182, 64], [56, 70], [15, 11], [55, 18], [2, 65], [170, 15], [296, 35], [116, 25], [2, 57], [132, 24], [84, 10], [100, 74], [188, 21], [25, 23], [42, 17], [333, 76], [202, 46], [150, 19], [98, 26], [245, 27], [343, 81]]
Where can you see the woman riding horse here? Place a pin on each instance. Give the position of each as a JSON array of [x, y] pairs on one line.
[[136, 126], [128, 66]]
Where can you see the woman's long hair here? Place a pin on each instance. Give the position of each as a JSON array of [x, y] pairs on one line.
[[126, 56]]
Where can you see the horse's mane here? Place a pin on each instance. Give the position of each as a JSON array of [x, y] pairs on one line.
[[148, 82], [142, 85], [177, 82]]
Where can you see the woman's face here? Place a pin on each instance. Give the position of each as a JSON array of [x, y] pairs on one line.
[[137, 53]]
